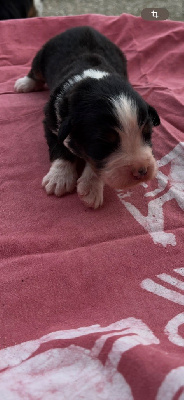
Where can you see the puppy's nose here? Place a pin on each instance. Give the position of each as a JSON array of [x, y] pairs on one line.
[[140, 172]]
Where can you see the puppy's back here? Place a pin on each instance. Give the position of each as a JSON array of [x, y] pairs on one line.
[[77, 46]]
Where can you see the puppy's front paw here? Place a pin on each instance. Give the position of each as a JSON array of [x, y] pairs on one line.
[[61, 178], [90, 192]]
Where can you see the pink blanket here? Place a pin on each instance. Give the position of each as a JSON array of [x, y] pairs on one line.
[[92, 301]]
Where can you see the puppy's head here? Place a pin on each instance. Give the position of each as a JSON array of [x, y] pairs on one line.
[[109, 125]]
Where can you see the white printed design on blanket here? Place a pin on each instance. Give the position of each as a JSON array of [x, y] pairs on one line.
[[153, 223], [171, 385], [176, 296], [73, 372], [172, 330], [160, 290]]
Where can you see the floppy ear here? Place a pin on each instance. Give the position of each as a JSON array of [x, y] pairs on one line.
[[154, 116], [64, 129]]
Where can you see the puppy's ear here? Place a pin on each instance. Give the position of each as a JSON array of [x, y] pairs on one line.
[[64, 129], [153, 115], [60, 105]]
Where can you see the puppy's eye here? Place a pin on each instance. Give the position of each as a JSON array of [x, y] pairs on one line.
[[111, 136]]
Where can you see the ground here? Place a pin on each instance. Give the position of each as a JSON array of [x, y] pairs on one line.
[[111, 7]]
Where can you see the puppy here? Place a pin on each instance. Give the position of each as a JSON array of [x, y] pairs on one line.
[[16, 9], [94, 114]]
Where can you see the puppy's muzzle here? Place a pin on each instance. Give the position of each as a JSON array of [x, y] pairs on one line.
[[124, 172]]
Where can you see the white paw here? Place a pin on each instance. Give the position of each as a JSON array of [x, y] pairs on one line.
[[90, 192], [24, 85], [61, 178], [39, 7]]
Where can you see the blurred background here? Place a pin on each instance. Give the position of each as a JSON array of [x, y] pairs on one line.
[[111, 7]]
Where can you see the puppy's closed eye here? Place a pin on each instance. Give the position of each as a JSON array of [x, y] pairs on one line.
[[111, 137]]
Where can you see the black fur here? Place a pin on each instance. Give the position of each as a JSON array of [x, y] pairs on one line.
[[82, 110], [16, 9]]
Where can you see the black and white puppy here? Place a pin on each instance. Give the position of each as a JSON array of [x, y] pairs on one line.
[[94, 114], [16, 9]]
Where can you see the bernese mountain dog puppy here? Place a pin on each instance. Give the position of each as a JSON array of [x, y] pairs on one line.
[[16, 9], [93, 114]]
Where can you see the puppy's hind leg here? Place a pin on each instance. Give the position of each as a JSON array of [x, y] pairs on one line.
[[34, 80], [25, 84]]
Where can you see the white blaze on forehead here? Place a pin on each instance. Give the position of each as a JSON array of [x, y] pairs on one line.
[[126, 112], [130, 133]]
